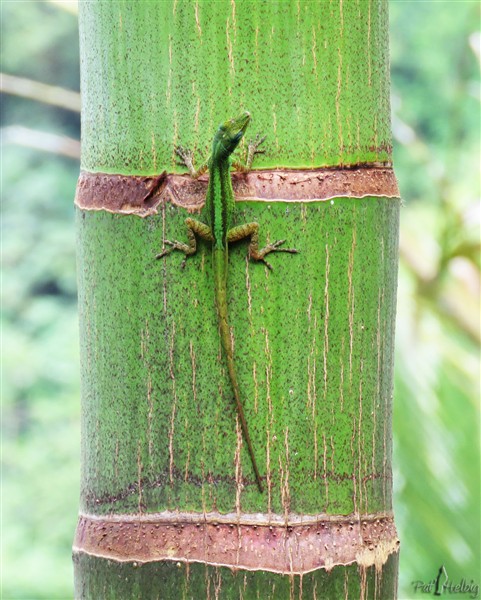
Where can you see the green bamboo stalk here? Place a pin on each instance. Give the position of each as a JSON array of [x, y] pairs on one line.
[[314, 75], [313, 339]]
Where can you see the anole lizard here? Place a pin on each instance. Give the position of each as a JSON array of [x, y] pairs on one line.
[[219, 211]]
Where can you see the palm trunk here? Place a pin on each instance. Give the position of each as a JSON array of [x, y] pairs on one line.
[[169, 505]]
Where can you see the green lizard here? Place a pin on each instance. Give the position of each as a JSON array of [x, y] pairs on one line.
[[219, 213]]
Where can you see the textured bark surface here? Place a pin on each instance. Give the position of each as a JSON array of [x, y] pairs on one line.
[[313, 74], [313, 340], [179, 580], [301, 545], [169, 505], [144, 196], [317, 383]]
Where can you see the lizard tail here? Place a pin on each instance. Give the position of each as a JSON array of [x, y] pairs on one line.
[[220, 273]]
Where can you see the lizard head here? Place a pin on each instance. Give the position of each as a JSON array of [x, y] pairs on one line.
[[229, 135]]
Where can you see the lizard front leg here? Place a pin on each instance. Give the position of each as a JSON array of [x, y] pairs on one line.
[[193, 228], [252, 230], [252, 150], [186, 158]]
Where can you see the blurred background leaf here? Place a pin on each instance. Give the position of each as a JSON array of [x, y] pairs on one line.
[[436, 128], [40, 389], [436, 117]]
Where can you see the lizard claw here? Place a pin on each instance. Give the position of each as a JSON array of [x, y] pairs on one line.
[[254, 145], [252, 150], [175, 245], [186, 159], [260, 255], [186, 156], [275, 247], [166, 251]]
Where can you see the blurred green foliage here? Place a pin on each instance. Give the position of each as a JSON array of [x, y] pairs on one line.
[[40, 391], [436, 117], [436, 127]]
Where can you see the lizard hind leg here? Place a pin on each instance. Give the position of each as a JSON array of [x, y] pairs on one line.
[[252, 230], [194, 228]]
